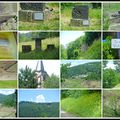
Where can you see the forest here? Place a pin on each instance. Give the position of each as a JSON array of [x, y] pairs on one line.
[[111, 76], [8, 105], [27, 79], [87, 75], [111, 103], [32, 109], [48, 45], [94, 16], [81, 103], [87, 46]]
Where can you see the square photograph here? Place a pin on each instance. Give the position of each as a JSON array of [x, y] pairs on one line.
[[38, 16]]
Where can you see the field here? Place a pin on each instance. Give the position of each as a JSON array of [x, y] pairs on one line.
[[50, 23], [109, 8], [8, 84], [94, 17], [81, 103], [40, 54], [81, 83]]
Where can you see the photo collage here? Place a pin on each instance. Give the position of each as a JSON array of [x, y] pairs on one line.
[[59, 59]]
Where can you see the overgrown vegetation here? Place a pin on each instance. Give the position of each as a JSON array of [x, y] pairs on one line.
[[32, 109], [87, 46], [50, 22], [111, 106], [81, 103], [111, 77], [48, 38], [94, 16], [87, 75]]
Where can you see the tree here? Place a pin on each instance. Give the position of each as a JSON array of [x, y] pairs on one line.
[[27, 78], [52, 82], [64, 71]]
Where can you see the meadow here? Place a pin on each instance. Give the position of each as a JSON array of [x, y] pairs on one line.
[[82, 103], [94, 18], [8, 84]]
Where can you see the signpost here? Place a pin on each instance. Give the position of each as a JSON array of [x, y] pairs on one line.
[[115, 43]]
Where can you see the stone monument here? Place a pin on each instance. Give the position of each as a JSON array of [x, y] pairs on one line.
[[114, 21], [80, 16]]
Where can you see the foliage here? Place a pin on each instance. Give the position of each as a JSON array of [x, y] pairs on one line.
[[108, 52], [27, 78], [31, 109], [52, 82], [63, 52], [82, 103], [111, 106], [64, 74]]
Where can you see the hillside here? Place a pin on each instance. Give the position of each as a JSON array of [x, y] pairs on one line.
[[32, 109]]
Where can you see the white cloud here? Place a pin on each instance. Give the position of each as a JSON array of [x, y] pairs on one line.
[[110, 65], [40, 99], [7, 92]]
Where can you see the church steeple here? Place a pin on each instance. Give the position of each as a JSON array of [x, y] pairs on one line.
[[41, 66]]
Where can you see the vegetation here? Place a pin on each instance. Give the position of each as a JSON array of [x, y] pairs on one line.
[[48, 38], [108, 9], [87, 75], [94, 16], [111, 106], [8, 105], [8, 84], [111, 77], [108, 52], [32, 109], [85, 47], [51, 22], [81, 103], [52, 82], [27, 79]]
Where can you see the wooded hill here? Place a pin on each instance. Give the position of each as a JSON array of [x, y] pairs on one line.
[[32, 109]]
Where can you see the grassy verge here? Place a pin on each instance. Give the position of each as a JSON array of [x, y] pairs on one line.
[[84, 106], [8, 84]]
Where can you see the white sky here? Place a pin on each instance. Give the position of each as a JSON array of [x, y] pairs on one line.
[[110, 65], [68, 36], [50, 66], [7, 92]]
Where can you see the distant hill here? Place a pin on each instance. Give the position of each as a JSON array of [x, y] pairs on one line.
[[8, 100], [91, 67], [32, 109]]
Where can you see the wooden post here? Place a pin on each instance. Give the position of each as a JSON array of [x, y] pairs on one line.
[[118, 36]]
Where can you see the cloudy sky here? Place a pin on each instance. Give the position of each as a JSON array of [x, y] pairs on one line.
[[39, 96], [110, 65], [69, 36], [7, 91], [50, 66]]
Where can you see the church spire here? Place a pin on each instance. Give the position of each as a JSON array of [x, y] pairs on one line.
[[41, 66]]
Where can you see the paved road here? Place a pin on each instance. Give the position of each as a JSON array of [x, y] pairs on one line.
[[65, 114]]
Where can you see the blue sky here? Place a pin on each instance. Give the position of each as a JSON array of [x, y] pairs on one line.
[[77, 62], [69, 36], [39, 96]]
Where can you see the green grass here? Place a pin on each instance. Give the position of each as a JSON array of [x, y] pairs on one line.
[[109, 8], [8, 84], [40, 54], [94, 15], [50, 23], [93, 52], [84, 106]]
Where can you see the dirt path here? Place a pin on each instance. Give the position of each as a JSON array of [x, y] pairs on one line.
[[65, 114], [7, 111]]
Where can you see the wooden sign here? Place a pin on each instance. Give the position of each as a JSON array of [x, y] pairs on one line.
[[115, 43]]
